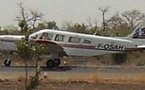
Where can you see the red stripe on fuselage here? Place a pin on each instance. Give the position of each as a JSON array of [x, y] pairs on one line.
[[41, 41], [69, 45], [132, 49], [81, 46]]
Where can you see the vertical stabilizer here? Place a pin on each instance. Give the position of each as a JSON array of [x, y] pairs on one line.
[[138, 32]]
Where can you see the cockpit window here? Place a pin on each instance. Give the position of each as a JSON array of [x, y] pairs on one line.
[[34, 36], [46, 36], [59, 37]]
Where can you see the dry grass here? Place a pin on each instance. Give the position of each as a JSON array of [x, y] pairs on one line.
[[76, 81], [139, 79]]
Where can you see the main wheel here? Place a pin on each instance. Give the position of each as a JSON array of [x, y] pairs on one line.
[[50, 63], [57, 62], [7, 62]]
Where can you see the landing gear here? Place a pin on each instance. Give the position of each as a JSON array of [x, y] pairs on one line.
[[7, 62], [56, 62], [52, 63]]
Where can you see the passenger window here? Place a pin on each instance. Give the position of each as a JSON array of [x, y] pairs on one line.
[[59, 37], [74, 39], [87, 41], [46, 36]]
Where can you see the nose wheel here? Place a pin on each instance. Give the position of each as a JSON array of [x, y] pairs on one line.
[[7, 62], [53, 63]]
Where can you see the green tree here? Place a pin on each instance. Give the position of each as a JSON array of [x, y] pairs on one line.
[[119, 58], [79, 28], [29, 50], [47, 25], [25, 51], [41, 26], [37, 51], [10, 29], [51, 25]]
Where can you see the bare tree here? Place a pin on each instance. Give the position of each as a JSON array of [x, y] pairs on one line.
[[115, 22], [25, 19], [22, 19], [104, 11], [133, 17], [35, 17]]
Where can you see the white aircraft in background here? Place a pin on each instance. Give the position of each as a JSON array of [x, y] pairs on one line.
[[64, 43]]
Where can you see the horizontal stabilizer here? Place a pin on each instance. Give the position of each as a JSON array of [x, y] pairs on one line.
[[141, 46]]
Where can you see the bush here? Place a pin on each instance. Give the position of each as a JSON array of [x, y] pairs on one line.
[[119, 58], [34, 82]]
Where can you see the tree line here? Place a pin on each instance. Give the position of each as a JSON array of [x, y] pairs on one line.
[[120, 24]]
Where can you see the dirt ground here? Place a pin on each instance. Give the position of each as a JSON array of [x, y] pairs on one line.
[[16, 81], [50, 85]]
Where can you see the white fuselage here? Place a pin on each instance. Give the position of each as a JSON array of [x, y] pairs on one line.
[[75, 44]]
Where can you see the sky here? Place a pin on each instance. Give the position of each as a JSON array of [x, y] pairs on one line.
[[61, 11]]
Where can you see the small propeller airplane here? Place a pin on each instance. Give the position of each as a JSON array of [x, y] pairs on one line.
[[63, 43]]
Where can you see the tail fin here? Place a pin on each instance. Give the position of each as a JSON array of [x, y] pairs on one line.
[[139, 31]]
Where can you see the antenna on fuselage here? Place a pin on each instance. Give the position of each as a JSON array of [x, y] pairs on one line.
[[95, 33]]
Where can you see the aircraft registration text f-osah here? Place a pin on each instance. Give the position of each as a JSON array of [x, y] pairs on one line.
[[110, 47], [76, 44]]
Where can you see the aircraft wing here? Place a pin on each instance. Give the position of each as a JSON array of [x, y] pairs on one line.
[[141, 47]]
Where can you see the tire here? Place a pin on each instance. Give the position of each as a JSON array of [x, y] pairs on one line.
[[7, 62], [50, 64], [57, 62]]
